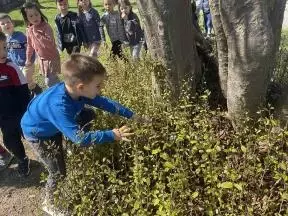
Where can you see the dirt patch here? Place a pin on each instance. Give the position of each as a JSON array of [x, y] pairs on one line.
[[21, 196]]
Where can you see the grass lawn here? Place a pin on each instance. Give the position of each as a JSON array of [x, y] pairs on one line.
[[50, 11]]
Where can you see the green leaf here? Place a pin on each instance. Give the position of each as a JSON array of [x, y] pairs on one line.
[[195, 194], [226, 185], [243, 148], [156, 201], [168, 165], [156, 151], [284, 196], [238, 186]]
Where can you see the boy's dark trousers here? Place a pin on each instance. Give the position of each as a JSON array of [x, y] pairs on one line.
[[12, 133], [50, 151], [116, 49], [73, 49]]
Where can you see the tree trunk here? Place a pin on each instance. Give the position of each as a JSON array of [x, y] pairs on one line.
[[249, 31], [171, 40]]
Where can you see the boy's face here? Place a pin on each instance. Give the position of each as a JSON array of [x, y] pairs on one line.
[[92, 89], [3, 52], [62, 6], [109, 5], [7, 26]]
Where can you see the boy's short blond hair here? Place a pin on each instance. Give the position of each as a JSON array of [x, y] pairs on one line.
[[3, 37], [83, 68]]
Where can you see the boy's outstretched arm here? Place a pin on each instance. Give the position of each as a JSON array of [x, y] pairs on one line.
[[111, 106], [63, 119]]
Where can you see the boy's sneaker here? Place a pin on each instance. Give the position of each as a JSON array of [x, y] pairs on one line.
[[50, 209], [24, 167], [5, 160]]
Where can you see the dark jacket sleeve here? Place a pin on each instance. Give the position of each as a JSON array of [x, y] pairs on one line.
[[80, 30], [22, 94], [58, 33]]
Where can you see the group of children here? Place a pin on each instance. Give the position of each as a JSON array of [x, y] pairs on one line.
[[42, 118]]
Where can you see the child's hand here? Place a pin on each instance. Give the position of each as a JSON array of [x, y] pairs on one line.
[[122, 133], [141, 119], [28, 63], [124, 16]]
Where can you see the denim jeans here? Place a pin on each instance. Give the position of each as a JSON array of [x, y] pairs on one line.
[[208, 23], [135, 51]]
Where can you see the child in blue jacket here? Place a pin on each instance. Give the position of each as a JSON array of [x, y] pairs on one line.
[[60, 110]]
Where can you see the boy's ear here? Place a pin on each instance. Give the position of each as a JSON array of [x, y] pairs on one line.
[[80, 86]]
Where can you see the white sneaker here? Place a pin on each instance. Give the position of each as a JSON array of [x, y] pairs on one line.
[[50, 209]]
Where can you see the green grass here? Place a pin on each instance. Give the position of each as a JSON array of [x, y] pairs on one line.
[[50, 11]]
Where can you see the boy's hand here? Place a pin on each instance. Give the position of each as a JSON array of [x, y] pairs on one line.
[[122, 133], [141, 119]]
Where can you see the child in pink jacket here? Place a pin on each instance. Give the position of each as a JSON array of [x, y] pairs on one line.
[[41, 39]]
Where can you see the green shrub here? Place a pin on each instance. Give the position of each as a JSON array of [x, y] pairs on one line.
[[189, 161]]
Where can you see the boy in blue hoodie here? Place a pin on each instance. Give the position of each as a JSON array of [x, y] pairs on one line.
[[60, 110], [16, 46]]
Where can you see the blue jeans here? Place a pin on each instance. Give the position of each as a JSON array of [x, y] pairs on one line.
[[135, 51], [208, 23]]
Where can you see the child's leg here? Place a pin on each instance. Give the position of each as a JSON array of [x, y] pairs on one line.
[[117, 49], [11, 132], [209, 23], [51, 155], [73, 49], [69, 50], [50, 69], [94, 48], [135, 51]]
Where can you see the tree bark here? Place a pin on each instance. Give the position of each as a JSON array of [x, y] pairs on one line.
[[249, 31], [171, 40]]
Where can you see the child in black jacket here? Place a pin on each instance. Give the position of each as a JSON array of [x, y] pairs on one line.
[[70, 34], [15, 96]]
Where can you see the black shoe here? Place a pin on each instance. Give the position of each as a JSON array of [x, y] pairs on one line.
[[24, 167]]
